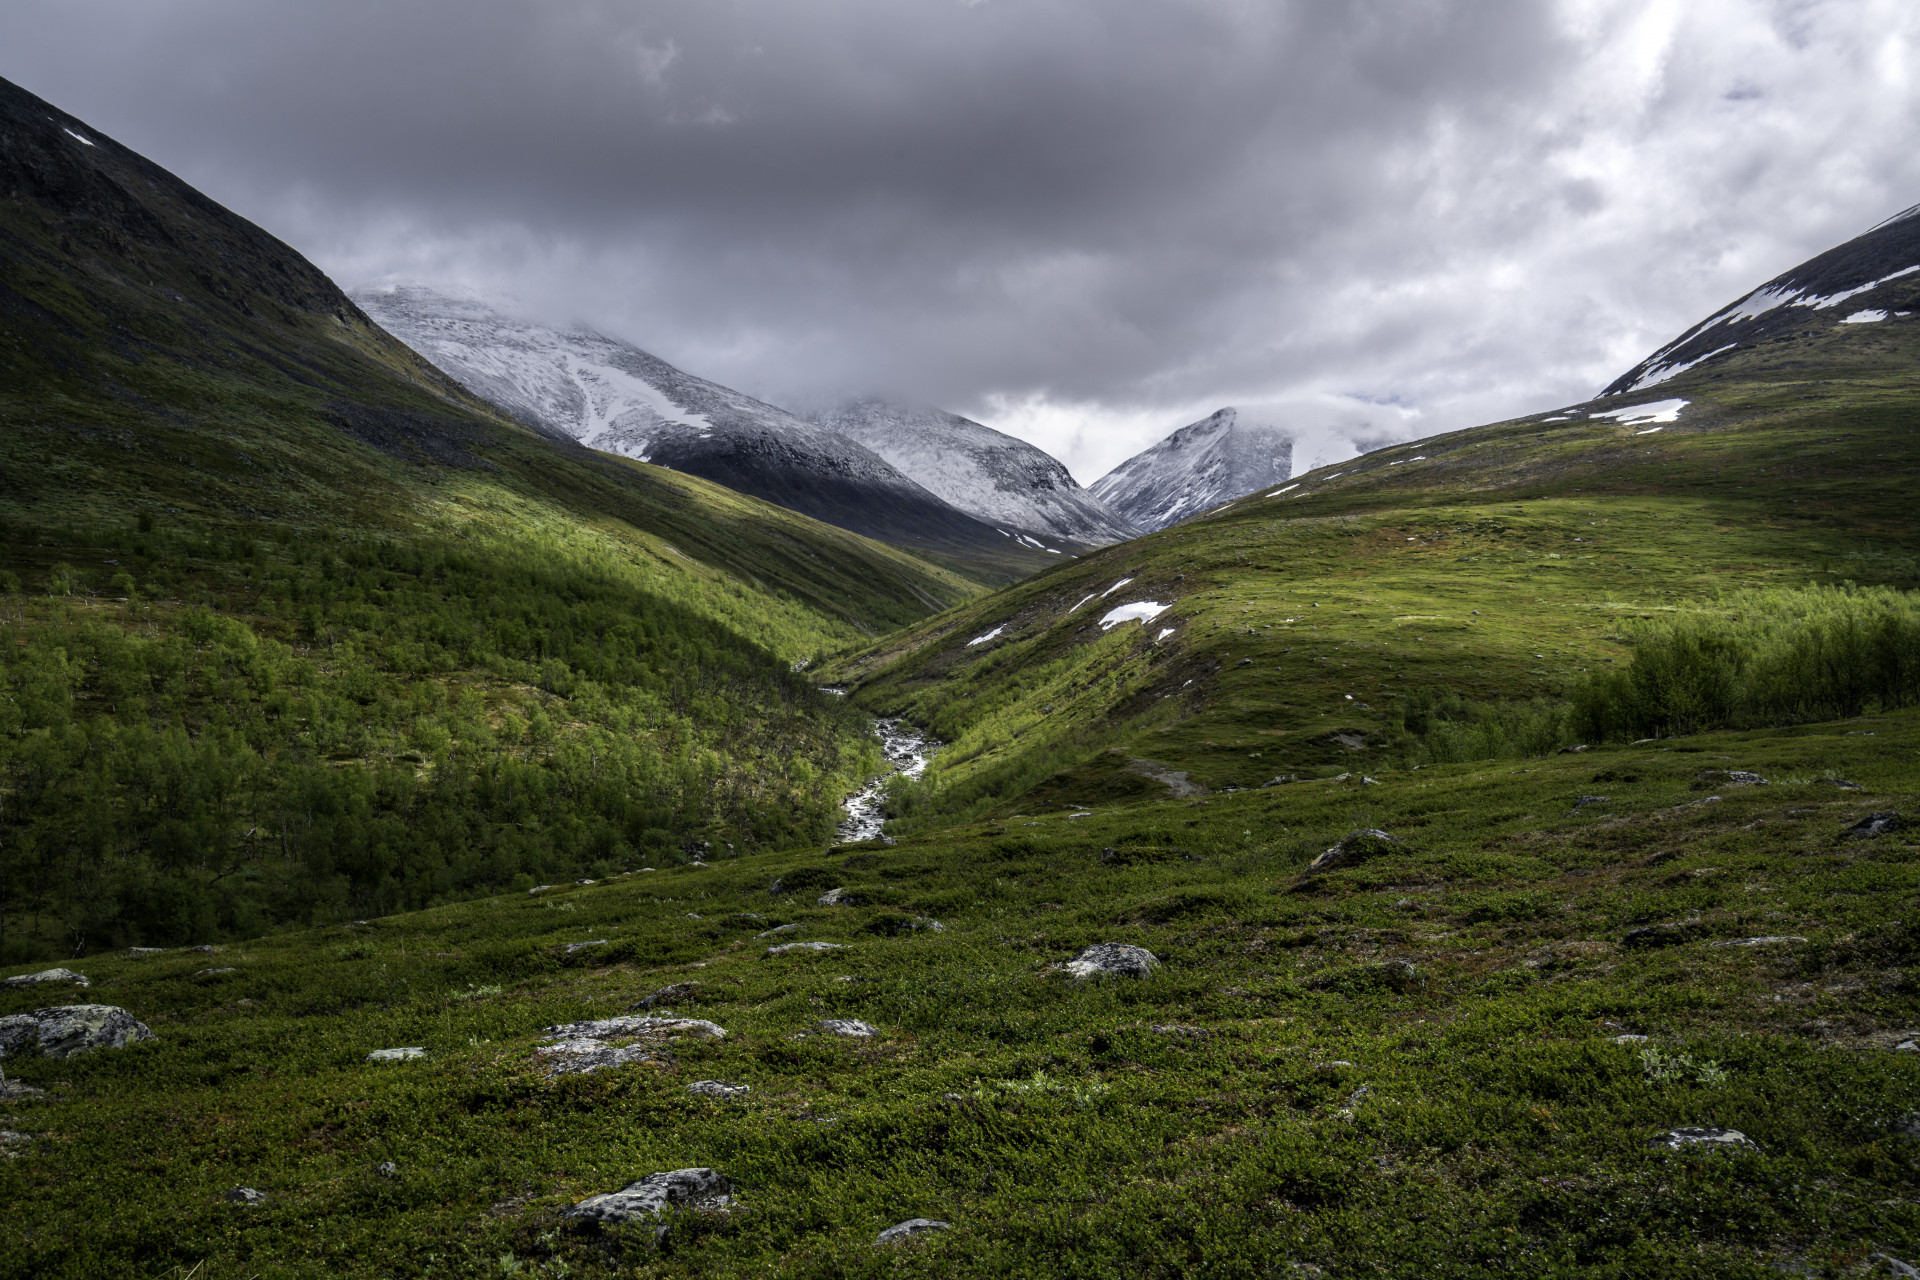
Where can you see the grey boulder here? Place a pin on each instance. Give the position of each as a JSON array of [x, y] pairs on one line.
[[576, 1048], [1707, 778], [911, 1227], [1704, 1138], [70, 1029], [678, 1189], [406, 1054], [47, 975], [1113, 960], [717, 1089], [246, 1195], [1355, 848], [838, 898], [848, 1027]]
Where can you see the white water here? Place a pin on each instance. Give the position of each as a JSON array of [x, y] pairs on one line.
[[907, 750]]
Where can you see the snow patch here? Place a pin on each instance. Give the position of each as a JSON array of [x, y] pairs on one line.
[[1139, 611], [1115, 587], [77, 138], [1277, 492], [1164, 634], [1658, 374], [983, 639], [1083, 600], [1865, 317], [1835, 299], [1649, 431], [1652, 411]]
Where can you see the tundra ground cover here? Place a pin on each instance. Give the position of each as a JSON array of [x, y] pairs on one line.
[[1414, 1065]]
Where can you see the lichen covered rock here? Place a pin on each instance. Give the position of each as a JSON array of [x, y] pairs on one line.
[[66, 1030]]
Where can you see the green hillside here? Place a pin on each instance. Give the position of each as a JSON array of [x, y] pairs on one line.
[[292, 629]]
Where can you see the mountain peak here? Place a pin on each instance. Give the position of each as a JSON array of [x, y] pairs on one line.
[[1224, 455]]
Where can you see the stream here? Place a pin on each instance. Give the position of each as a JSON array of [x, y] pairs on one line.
[[907, 750]]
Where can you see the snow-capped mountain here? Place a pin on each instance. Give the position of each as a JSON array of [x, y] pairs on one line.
[[1868, 280], [612, 396], [986, 473], [1222, 456]]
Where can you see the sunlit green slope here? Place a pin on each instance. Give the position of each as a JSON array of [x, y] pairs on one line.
[[292, 628], [1503, 563]]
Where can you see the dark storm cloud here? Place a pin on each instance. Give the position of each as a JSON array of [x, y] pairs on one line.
[[1082, 220]]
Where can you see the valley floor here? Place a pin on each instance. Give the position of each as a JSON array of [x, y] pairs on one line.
[[1453, 1058]]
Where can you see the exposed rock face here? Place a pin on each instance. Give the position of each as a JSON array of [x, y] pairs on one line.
[[579, 1047], [406, 1054], [1704, 1138], [848, 1027], [838, 898], [1355, 848], [911, 1227], [46, 975], [1876, 824], [681, 1189], [69, 1029], [718, 1089], [1113, 960]]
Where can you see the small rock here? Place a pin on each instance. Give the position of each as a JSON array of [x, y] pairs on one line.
[[805, 946], [576, 1048], [838, 898], [1907, 1046], [919, 923], [1631, 1038], [1892, 1266], [693, 915], [541, 888], [47, 975], [1584, 801], [1876, 824], [406, 1054], [1179, 1031], [586, 882], [69, 1029], [1758, 942], [597, 942], [747, 915], [681, 1189], [214, 973], [670, 995], [848, 1027], [140, 953], [1727, 778], [1908, 1125], [1704, 1138], [246, 1195], [1113, 960], [1355, 848], [911, 1227], [717, 1089], [203, 948], [1840, 783], [387, 1169], [12, 1144], [779, 928], [1574, 749], [1655, 935], [1281, 780], [14, 1091]]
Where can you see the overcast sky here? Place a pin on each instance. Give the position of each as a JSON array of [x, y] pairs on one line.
[[1087, 222]]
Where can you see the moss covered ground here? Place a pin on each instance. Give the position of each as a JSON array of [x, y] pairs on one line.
[[1412, 1066]]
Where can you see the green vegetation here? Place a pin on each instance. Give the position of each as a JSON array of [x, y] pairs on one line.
[[1409, 1067]]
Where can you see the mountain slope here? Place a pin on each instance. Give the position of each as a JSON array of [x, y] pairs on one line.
[[613, 396], [1002, 480], [1223, 456], [1305, 629], [295, 628], [1870, 280]]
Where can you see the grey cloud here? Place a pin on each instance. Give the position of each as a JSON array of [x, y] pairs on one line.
[[1114, 213]]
